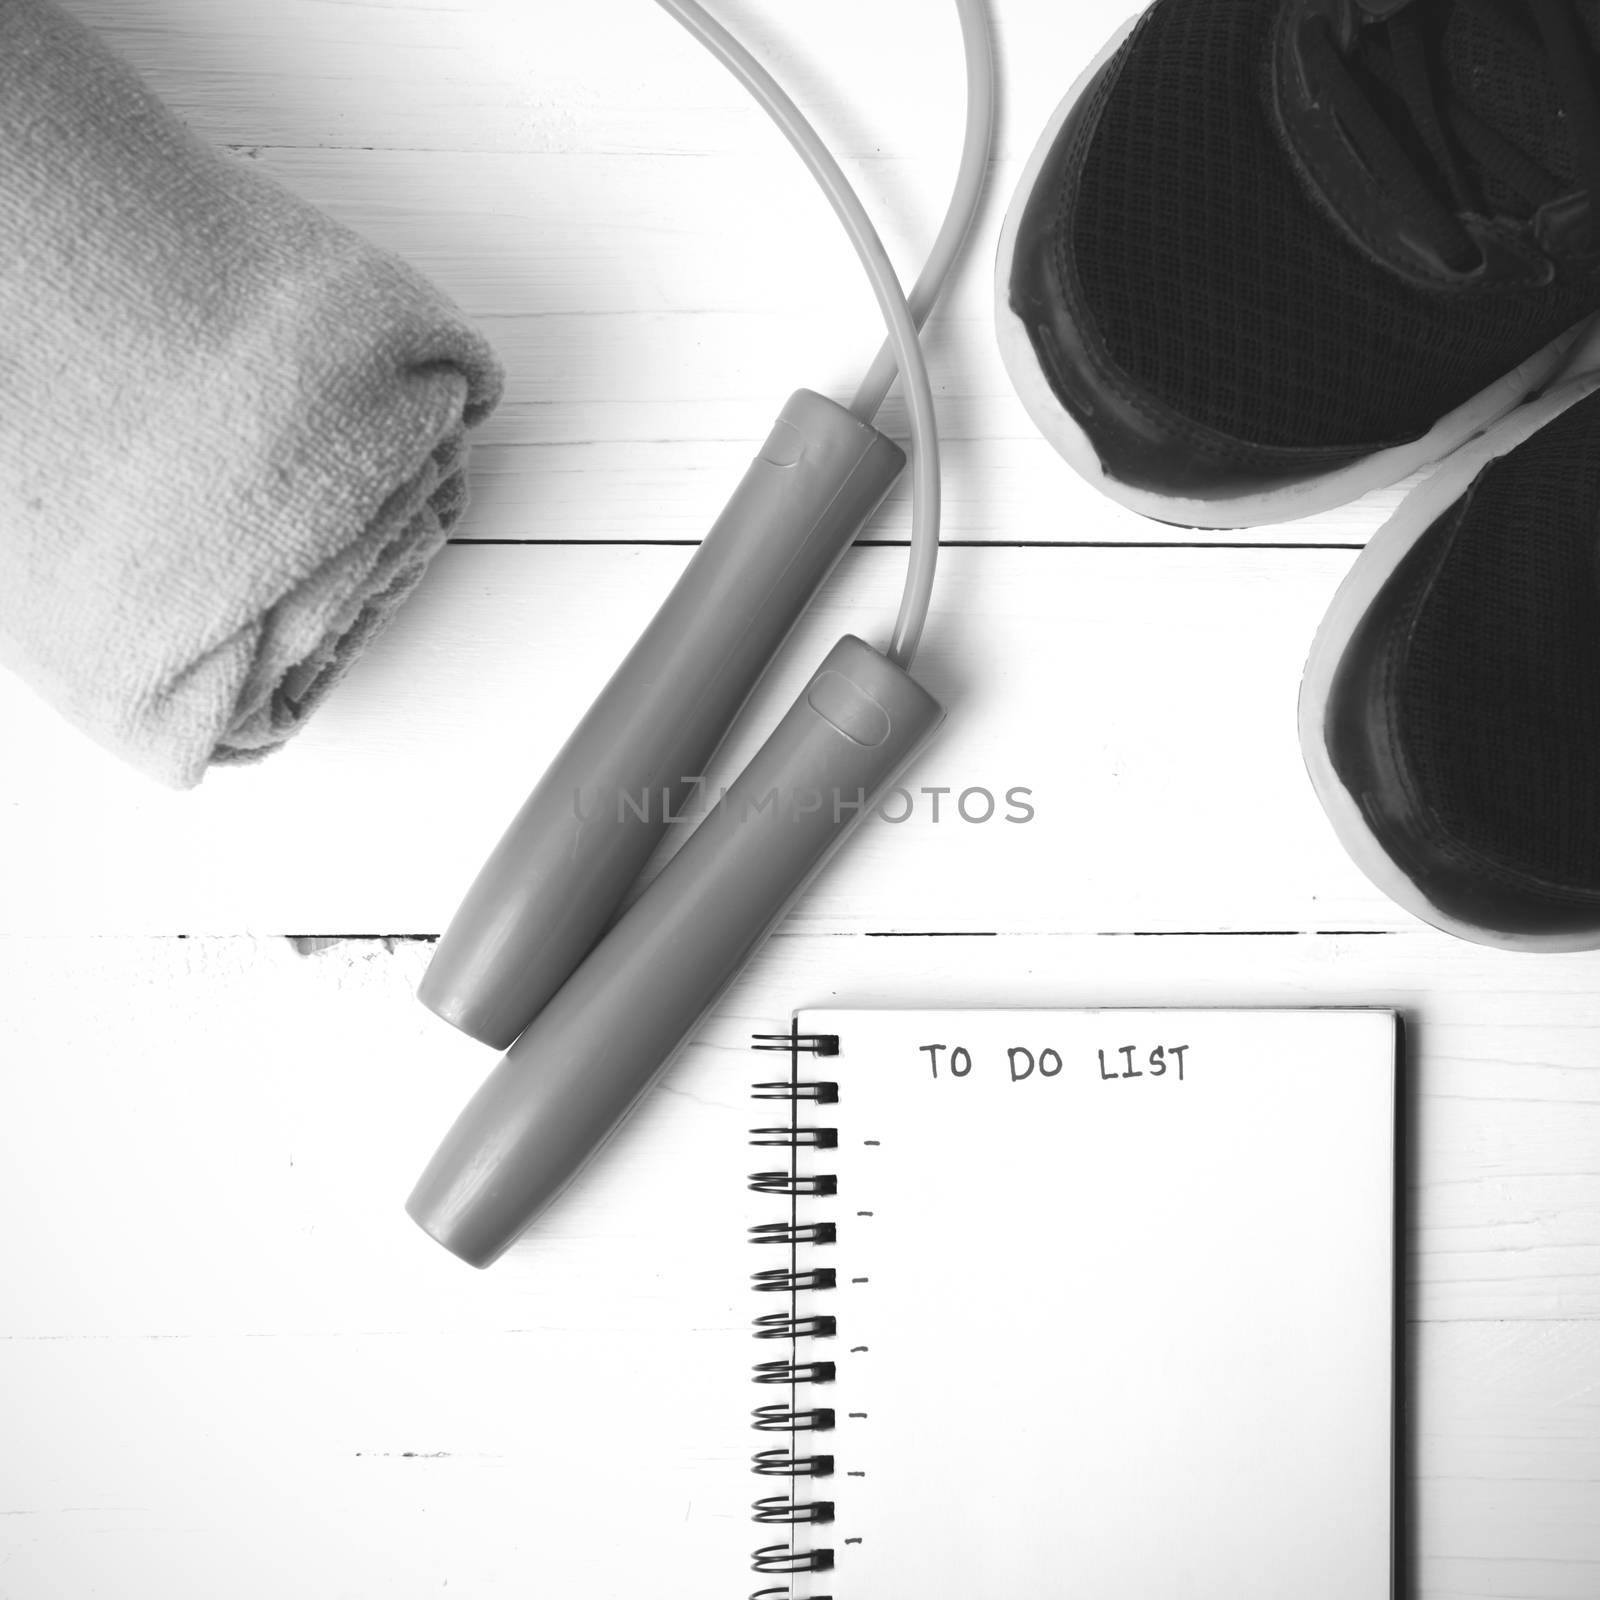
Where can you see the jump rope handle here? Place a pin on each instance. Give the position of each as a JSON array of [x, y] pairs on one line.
[[573, 1075], [576, 847]]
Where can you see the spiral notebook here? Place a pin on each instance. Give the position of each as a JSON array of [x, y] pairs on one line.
[[1087, 1304]]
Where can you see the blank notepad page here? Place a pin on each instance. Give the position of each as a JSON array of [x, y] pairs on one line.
[[1115, 1304]]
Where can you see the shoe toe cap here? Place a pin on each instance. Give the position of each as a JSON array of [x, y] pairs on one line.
[[1463, 718]]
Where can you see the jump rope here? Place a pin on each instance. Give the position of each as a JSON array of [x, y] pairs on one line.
[[592, 1005]]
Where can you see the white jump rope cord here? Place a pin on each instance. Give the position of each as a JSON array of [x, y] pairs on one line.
[[902, 351]]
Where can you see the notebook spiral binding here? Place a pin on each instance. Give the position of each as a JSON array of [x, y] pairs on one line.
[[793, 1415]]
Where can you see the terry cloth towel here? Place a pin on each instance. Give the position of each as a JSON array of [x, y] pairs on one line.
[[232, 432]]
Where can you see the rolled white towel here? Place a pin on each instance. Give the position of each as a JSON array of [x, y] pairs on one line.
[[232, 432]]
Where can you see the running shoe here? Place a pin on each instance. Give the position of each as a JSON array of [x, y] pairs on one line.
[[1271, 254], [1450, 711]]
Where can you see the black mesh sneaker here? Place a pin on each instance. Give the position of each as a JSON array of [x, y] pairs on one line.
[[1450, 711], [1270, 254]]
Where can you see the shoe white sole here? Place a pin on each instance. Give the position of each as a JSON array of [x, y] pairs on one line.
[[1283, 504], [1373, 567]]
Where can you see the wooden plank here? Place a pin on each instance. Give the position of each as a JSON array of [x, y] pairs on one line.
[[583, 74], [1146, 698], [329, 1467], [651, 328], [630, 478], [1506, 1432], [227, 1359], [654, 266], [244, 1092], [660, 298]]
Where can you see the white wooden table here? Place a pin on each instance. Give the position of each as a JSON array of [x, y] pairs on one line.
[[229, 1365]]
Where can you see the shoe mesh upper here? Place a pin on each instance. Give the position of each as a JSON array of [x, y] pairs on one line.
[[1519, 102], [1218, 286], [1496, 692]]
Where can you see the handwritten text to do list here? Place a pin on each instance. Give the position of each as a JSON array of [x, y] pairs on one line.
[[1032, 1063]]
